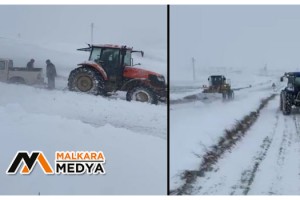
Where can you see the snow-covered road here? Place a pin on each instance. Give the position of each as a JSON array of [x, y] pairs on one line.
[[265, 162], [196, 126]]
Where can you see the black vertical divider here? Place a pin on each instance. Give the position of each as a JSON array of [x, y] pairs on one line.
[[168, 103]]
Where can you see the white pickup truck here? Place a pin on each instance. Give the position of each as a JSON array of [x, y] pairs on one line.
[[22, 75]]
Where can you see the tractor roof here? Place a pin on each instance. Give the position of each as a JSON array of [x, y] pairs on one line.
[[104, 46], [292, 74], [111, 46]]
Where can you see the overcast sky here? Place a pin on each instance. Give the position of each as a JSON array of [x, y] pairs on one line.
[[234, 36], [130, 25]]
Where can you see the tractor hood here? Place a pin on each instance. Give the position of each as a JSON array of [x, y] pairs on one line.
[[132, 72]]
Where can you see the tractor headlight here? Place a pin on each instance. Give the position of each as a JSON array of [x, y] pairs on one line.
[[157, 80], [161, 78]]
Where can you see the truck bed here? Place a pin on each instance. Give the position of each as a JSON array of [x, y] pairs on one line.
[[25, 69]]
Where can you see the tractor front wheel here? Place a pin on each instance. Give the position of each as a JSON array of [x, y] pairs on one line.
[[281, 103], [287, 105], [142, 94]]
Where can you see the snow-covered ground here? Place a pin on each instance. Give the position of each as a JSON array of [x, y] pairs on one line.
[[132, 135], [265, 162], [197, 126]]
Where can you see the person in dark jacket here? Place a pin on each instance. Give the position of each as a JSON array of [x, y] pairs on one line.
[[30, 64], [51, 74]]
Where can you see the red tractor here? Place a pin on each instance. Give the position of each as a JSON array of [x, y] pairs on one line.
[[110, 68]]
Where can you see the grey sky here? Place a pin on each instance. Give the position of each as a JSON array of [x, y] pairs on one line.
[[234, 36], [132, 25]]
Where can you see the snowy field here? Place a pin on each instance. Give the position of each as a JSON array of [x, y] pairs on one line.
[[132, 135], [196, 126]]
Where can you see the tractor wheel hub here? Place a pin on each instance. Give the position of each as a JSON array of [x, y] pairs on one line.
[[142, 96], [84, 83]]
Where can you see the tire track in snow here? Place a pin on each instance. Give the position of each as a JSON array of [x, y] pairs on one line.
[[283, 149], [272, 168], [248, 176], [276, 150], [276, 171], [297, 125], [152, 131], [285, 143], [224, 145], [297, 141], [222, 180]]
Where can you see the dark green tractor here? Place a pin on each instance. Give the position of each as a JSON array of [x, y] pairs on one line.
[[290, 95]]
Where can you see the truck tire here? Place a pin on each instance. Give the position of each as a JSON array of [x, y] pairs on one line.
[[287, 105], [87, 80], [17, 80], [142, 94]]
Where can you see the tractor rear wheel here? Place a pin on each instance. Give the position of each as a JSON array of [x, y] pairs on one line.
[[287, 105], [142, 94], [86, 79], [281, 103]]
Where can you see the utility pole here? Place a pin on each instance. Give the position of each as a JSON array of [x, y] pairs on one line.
[[92, 32], [266, 69], [194, 71]]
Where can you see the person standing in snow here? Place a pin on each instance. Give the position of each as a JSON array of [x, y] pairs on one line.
[[274, 87], [30, 64], [51, 74]]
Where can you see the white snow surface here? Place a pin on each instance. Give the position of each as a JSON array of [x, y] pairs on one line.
[[272, 144], [131, 135], [196, 126]]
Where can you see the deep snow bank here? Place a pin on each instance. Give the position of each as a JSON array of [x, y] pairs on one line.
[[135, 163], [95, 110]]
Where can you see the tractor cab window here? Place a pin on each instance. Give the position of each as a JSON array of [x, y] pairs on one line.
[[216, 80], [2, 65], [10, 64], [297, 81], [110, 57], [127, 59], [95, 55]]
